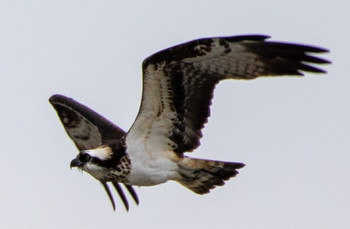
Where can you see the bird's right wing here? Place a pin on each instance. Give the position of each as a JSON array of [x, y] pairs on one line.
[[179, 82]]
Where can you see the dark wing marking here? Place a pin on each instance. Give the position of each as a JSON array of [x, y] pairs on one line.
[[178, 84], [89, 130], [85, 127]]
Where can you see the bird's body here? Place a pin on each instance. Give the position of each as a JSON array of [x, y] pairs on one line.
[[178, 85], [151, 168]]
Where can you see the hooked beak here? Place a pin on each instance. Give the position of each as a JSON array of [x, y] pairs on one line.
[[76, 163]]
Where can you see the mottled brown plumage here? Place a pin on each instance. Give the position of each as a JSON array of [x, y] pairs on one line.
[[178, 86]]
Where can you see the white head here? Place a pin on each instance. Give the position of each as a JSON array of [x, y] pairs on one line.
[[94, 161]]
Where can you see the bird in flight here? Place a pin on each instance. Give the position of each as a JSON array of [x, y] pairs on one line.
[[178, 86]]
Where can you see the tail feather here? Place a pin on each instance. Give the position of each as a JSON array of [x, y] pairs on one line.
[[201, 175]]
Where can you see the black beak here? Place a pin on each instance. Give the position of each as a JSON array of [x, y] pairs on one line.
[[76, 163]]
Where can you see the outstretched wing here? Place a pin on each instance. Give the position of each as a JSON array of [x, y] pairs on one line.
[[85, 127], [178, 84], [89, 130]]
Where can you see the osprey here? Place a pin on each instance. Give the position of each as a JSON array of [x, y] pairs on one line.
[[178, 85]]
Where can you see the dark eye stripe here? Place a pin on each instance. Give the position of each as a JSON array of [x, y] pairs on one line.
[[84, 157]]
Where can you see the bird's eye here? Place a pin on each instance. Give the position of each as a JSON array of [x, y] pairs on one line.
[[84, 157]]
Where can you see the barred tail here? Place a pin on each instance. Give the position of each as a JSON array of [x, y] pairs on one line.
[[201, 175]]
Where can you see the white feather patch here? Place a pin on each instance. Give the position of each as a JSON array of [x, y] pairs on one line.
[[102, 152]]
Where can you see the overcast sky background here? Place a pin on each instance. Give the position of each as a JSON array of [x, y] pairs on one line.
[[292, 133]]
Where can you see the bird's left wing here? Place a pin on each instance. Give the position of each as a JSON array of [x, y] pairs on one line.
[[178, 85], [89, 130]]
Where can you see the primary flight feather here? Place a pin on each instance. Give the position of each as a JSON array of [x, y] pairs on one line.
[[178, 86]]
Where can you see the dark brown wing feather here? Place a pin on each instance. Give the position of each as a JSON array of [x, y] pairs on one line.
[[85, 127], [193, 69], [88, 130]]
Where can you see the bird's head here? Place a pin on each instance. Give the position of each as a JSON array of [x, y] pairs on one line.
[[94, 161]]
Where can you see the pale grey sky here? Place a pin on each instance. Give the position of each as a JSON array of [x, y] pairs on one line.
[[292, 133]]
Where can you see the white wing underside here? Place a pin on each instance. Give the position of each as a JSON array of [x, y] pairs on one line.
[[201, 64], [147, 142], [155, 121]]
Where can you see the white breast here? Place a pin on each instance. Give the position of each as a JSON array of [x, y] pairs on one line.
[[151, 168]]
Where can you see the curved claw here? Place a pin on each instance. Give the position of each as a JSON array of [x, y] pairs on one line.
[[104, 184], [132, 193], [121, 194]]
